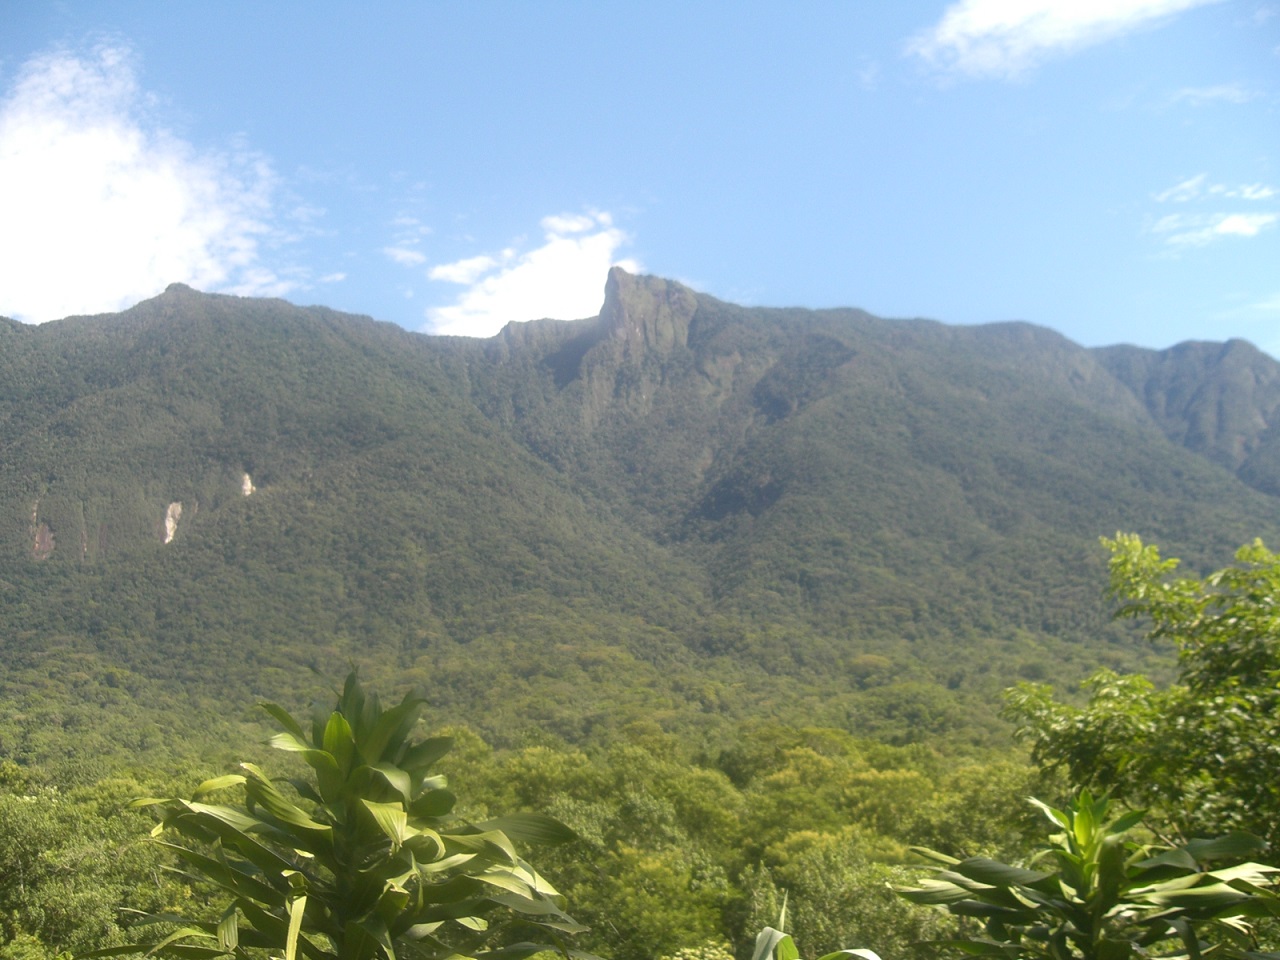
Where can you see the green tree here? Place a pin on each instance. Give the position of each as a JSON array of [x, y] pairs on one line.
[[360, 861], [1201, 754], [68, 860]]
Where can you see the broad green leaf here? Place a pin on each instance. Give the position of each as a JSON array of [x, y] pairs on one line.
[[236, 882], [996, 874], [396, 779], [934, 892], [285, 719], [181, 934], [339, 741], [1057, 816], [425, 845], [433, 803], [934, 855], [1233, 846], [391, 820], [422, 755], [297, 907], [264, 792], [532, 828], [229, 929], [1128, 821], [386, 737], [376, 930], [217, 783], [769, 940]]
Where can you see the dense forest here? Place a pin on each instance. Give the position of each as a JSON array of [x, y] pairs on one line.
[[735, 594]]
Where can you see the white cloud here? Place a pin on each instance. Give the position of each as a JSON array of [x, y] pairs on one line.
[[332, 278], [1255, 191], [103, 207], [563, 278], [1198, 229], [1244, 224], [404, 256], [463, 271], [1193, 188], [1181, 230], [1222, 93], [1182, 192], [1005, 38], [571, 223]]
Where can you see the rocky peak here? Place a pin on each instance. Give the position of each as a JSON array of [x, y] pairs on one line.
[[646, 314]]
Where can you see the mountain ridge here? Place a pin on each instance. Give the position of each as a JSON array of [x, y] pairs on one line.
[[680, 508]]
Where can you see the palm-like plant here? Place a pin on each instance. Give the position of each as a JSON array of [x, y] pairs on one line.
[[361, 862], [1105, 896]]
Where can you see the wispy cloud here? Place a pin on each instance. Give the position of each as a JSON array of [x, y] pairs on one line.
[[1197, 187], [104, 207], [407, 235], [405, 257], [1183, 192], [1221, 93], [1006, 38], [1255, 191], [561, 278], [1202, 227], [1198, 230], [466, 271]]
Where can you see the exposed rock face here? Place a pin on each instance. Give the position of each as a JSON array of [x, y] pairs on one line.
[[646, 314], [643, 323], [246, 485], [42, 549], [171, 517]]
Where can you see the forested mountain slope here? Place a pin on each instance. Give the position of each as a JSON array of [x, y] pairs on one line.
[[1218, 399], [682, 510]]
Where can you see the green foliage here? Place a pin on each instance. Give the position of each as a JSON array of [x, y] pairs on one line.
[[366, 862], [773, 944], [68, 861], [642, 524], [677, 574], [1200, 753], [838, 894], [1102, 895]]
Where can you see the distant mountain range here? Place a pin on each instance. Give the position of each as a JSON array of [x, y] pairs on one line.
[[680, 511]]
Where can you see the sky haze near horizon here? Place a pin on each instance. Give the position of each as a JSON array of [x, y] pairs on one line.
[[1106, 168]]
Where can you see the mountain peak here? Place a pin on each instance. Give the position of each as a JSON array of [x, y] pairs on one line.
[[646, 313]]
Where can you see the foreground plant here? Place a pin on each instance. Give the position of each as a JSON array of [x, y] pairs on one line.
[[773, 944], [1106, 896], [363, 860]]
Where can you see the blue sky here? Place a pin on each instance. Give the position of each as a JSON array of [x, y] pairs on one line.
[[1107, 168]]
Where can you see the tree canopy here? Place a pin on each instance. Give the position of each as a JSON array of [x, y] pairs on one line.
[[1201, 753]]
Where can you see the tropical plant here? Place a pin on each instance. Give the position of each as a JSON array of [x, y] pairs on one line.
[[1104, 895], [363, 861]]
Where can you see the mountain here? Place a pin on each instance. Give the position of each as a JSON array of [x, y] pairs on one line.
[[1217, 399], [681, 511]]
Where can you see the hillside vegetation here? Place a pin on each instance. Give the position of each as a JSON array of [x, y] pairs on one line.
[[680, 511], [733, 592]]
